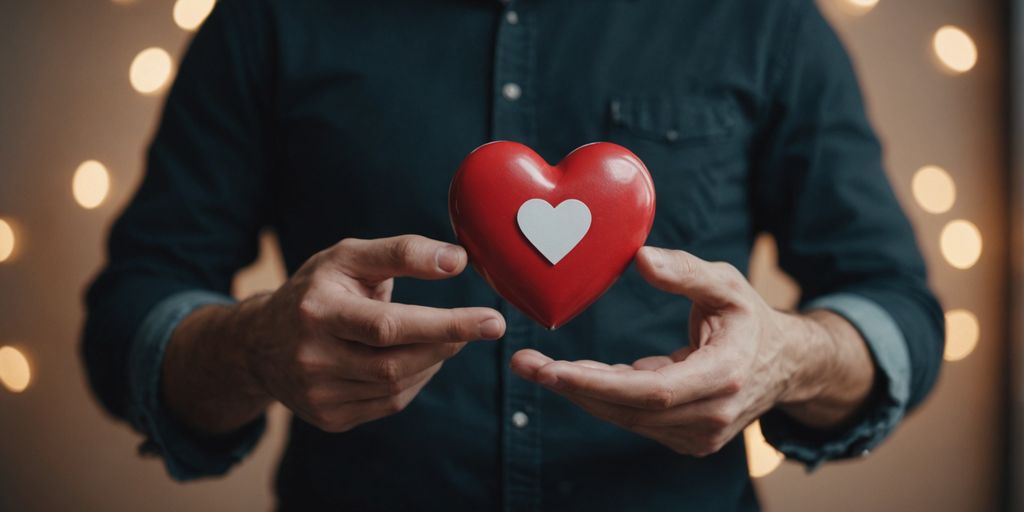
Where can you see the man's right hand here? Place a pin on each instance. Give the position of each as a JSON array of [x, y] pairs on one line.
[[328, 344]]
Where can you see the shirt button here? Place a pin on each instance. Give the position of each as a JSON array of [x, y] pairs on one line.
[[520, 419], [671, 135], [511, 91], [512, 17]]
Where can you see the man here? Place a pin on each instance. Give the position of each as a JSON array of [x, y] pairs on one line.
[[340, 124]]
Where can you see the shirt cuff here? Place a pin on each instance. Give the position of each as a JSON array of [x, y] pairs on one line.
[[888, 403], [186, 455]]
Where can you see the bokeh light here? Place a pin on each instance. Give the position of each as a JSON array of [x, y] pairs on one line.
[[962, 333], [861, 6], [90, 184], [933, 189], [955, 49], [150, 70], [189, 14], [762, 458], [15, 373], [6, 240], [961, 243]]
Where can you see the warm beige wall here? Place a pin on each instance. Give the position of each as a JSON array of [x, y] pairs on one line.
[[948, 455], [66, 99]]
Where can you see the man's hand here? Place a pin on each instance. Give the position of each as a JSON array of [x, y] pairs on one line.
[[743, 359], [328, 344]]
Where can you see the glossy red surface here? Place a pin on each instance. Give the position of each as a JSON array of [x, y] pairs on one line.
[[498, 177]]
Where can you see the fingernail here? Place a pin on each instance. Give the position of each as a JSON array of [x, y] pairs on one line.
[[448, 258], [490, 328], [655, 257], [548, 379]]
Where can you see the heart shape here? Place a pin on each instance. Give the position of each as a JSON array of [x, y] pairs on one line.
[[551, 262], [554, 231]]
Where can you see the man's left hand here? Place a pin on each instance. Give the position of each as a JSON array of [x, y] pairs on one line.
[[743, 358]]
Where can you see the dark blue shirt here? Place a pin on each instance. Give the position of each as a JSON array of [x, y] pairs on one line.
[[324, 119]]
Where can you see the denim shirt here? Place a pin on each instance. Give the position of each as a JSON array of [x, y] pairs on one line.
[[323, 120]]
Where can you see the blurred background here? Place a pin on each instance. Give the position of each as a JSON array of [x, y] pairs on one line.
[[82, 86]]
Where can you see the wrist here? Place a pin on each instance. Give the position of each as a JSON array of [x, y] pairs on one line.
[[206, 381], [245, 322], [835, 375], [810, 348]]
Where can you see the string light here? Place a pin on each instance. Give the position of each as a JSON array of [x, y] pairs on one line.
[[15, 373], [762, 458], [955, 49], [7, 241], [962, 333], [933, 189], [150, 70], [90, 184], [189, 14], [961, 243]]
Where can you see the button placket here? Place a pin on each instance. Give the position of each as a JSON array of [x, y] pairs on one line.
[[513, 114], [520, 419], [521, 447], [513, 119], [511, 91]]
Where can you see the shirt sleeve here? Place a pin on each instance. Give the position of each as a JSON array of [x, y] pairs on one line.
[[186, 455], [821, 191], [888, 403], [195, 219]]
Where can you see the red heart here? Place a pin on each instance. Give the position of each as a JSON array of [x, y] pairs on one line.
[[497, 179]]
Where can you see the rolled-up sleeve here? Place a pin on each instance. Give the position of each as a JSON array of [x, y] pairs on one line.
[[194, 221], [186, 455], [888, 403], [821, 191]]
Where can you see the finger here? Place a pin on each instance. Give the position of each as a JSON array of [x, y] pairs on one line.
[[652, 363], [399, 256], [603, 366], [681, 354], [355, 390], [385, 324], [382, 291], [701, 416], [621, 415], [682, 273], [368, 410], [393, 364], [638, 388], [526, 362], [589, 363], [702, 373]]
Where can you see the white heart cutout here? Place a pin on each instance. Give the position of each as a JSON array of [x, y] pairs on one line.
[[554, 231]]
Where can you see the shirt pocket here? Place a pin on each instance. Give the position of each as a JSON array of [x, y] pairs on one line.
[[693, 147]]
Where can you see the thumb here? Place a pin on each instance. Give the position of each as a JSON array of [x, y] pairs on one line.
[[682, 273]]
